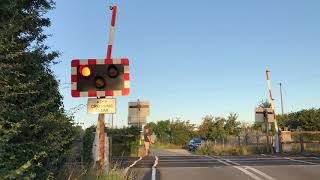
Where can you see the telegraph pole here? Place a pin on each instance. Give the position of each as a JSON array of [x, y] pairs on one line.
[[281, 98]]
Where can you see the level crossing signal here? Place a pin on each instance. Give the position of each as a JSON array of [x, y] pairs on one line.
[[100, 77]]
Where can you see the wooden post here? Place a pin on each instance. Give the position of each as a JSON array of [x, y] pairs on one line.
[[267, 133], [101, 144], [301, 143], [110, 149], [265, 113], [223, 143], [280, 142], [246, 138]]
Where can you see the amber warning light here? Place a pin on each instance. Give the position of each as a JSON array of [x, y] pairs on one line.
[[85, 71]]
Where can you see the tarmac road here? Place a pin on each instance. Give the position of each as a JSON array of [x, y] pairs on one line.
[[254, 167]]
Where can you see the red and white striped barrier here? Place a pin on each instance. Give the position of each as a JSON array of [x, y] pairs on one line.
[[271, 99], [112, 31], [93, 93], [277, 139]]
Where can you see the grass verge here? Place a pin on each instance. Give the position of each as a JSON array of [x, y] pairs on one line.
[[113, 174], [218, 149], [159, 145]]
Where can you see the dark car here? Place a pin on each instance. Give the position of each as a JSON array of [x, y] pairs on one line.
[[195, 143]]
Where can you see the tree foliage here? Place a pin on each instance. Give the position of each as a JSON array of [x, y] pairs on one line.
[[232, 125], [264, 104], [307, 119], [161, 129], [34, 130], [176, 132], [204, 127], [181, 132], [217, 128]]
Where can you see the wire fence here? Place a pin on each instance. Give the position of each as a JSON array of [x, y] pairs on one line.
[[291, 142]]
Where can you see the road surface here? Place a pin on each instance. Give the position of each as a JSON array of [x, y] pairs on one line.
[[179, 164]]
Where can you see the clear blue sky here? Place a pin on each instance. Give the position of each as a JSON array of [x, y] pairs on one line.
[[193, 58]]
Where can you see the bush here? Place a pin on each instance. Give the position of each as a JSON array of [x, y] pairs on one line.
[[218, 149]]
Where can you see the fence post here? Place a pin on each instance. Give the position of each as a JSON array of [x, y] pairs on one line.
[[257, 138], [239, 143], [246, 139], [223, 143], [301, 143], [110, 150], [281, 142]]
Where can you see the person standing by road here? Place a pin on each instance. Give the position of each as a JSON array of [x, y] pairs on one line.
[[147, 141]]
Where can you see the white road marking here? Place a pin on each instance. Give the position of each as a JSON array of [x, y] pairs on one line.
[[244, 169], [252, 169], [239, 168], [296, 160], [134, 163], [153, 175], [183, 160], [260, 172]]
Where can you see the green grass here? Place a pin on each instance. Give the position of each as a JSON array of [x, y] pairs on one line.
[[159, 145], [92, 174], [114, 174], [309, 148], [218, 149]]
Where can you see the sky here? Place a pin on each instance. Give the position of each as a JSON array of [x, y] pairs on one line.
[[195, 58]]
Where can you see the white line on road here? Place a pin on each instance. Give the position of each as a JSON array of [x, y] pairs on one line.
[[239, 168], [153, 174], [260, 172], [296, 160], [252, 169], [134, 163]]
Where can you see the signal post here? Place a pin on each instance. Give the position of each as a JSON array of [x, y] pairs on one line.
[[100, 78]]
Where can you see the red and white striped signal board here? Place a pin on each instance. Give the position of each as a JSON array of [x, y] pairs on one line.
[[100, 77]]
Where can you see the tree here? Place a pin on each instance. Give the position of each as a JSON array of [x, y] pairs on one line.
[[232, 125], [204, 127], [151, 126], [162, 130], [35, 132], [181, 132], [307, 119], [264, 104], [177, 132], [217, 131]]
